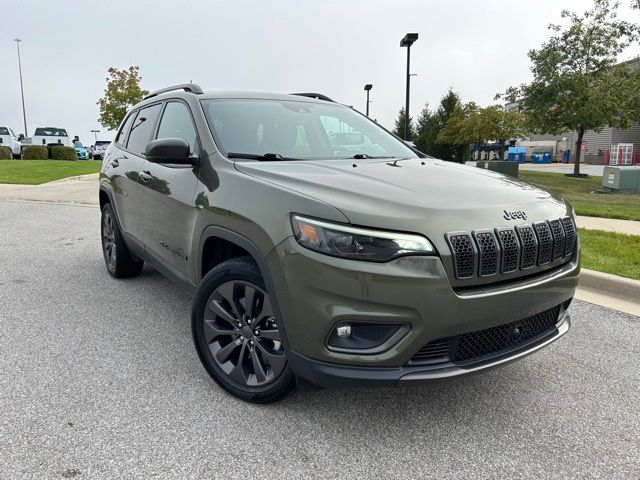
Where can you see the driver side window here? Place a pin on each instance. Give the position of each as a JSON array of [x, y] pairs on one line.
[[176, 123]]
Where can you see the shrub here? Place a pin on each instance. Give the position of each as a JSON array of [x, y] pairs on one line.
[[5, 153], [35, 152], [63, 153]]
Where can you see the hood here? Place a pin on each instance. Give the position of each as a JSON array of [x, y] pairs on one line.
[[414, 195]]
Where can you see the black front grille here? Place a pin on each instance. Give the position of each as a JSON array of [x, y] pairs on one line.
[[570, 233], [488, 252], [545, 242], [491, 342], [509, 249], [464, 254], [529, 246], [558, 239]]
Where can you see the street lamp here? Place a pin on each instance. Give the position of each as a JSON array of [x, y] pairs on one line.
[[24, 115], [368, 88], [407, 41], [95, 134]]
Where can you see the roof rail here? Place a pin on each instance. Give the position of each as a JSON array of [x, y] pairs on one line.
[[317, 96], [187, 87]]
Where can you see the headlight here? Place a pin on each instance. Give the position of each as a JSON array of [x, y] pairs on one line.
[[357, 243]]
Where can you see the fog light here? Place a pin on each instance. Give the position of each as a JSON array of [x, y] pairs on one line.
[[368, 338], [344, 330]]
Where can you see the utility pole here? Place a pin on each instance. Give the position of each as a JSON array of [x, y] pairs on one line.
[[24, 114]]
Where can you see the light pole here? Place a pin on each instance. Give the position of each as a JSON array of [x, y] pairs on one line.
[[367, 89], [24, 114], [95, 135], [407, 41]]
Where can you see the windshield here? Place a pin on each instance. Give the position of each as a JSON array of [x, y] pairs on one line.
[[77, 143], [298, 129], [51, 132], [102, 143]]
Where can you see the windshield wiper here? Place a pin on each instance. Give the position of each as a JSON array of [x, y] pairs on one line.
[[265, 157], [362, 156]]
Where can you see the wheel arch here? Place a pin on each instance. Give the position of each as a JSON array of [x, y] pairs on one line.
[[240, 241]]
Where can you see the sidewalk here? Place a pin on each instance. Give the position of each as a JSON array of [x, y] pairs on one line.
[[80, 190], [629, 227]]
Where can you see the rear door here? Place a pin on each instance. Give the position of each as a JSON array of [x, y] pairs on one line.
[[169, 210], [123, 164]]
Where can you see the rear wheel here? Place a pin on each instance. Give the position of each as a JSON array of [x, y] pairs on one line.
[[236, 335], [117, 257]]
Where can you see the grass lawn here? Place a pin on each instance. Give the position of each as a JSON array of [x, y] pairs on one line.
[[35, 172], [579, 191], [608, 252]]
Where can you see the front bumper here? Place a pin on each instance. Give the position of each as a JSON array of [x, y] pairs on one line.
[[331, 375], [316, 292]]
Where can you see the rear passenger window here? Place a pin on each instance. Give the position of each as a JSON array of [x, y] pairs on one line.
[[142, 129], [122, 134], [176, 123]]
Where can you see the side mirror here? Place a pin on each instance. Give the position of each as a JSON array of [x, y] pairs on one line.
[[169, 150], [20, 137]]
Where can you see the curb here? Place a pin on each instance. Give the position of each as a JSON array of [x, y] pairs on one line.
[[610, 291], [86, 176]]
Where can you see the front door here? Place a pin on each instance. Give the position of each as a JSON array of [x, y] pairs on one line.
[[169, 210]]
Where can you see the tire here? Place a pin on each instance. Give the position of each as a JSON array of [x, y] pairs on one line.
[[240, 347], [117, 257]]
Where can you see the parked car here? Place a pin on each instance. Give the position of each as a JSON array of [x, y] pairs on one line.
[[48, 136], [81, 151], [334, 267], [9, 139], [98, 149]]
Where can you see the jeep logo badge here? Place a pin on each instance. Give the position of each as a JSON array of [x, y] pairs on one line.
[[518, 214]]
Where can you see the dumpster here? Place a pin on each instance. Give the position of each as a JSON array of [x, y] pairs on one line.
[[517, 154]]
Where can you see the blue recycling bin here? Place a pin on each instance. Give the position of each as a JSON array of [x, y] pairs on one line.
[[517, 154]]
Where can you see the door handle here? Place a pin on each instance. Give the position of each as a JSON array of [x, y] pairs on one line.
[[115, 163], [145, 176]]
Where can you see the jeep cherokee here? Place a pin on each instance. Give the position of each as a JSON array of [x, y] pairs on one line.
[[321, 248]]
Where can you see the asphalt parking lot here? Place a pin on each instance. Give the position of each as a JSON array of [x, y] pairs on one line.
[[99, 379]]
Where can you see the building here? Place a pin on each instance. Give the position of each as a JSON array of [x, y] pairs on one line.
[[597, 147]]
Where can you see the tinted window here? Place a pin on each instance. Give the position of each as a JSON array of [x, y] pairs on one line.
[[122, 135], [142, 128], [176, 123], [51, 132], [298, 129], [4, 131]]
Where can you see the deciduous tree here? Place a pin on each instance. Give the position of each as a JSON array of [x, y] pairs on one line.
[[121, 93], [577, 84]]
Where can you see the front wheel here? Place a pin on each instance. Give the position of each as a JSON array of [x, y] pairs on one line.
[[236, 336]]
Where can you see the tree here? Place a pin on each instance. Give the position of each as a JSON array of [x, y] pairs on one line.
[[123, 91], [449, 105], [577, 85], [398, 128], [427, 128], [472, 124]]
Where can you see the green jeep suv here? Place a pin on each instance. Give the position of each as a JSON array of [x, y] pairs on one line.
[[320, 248]]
